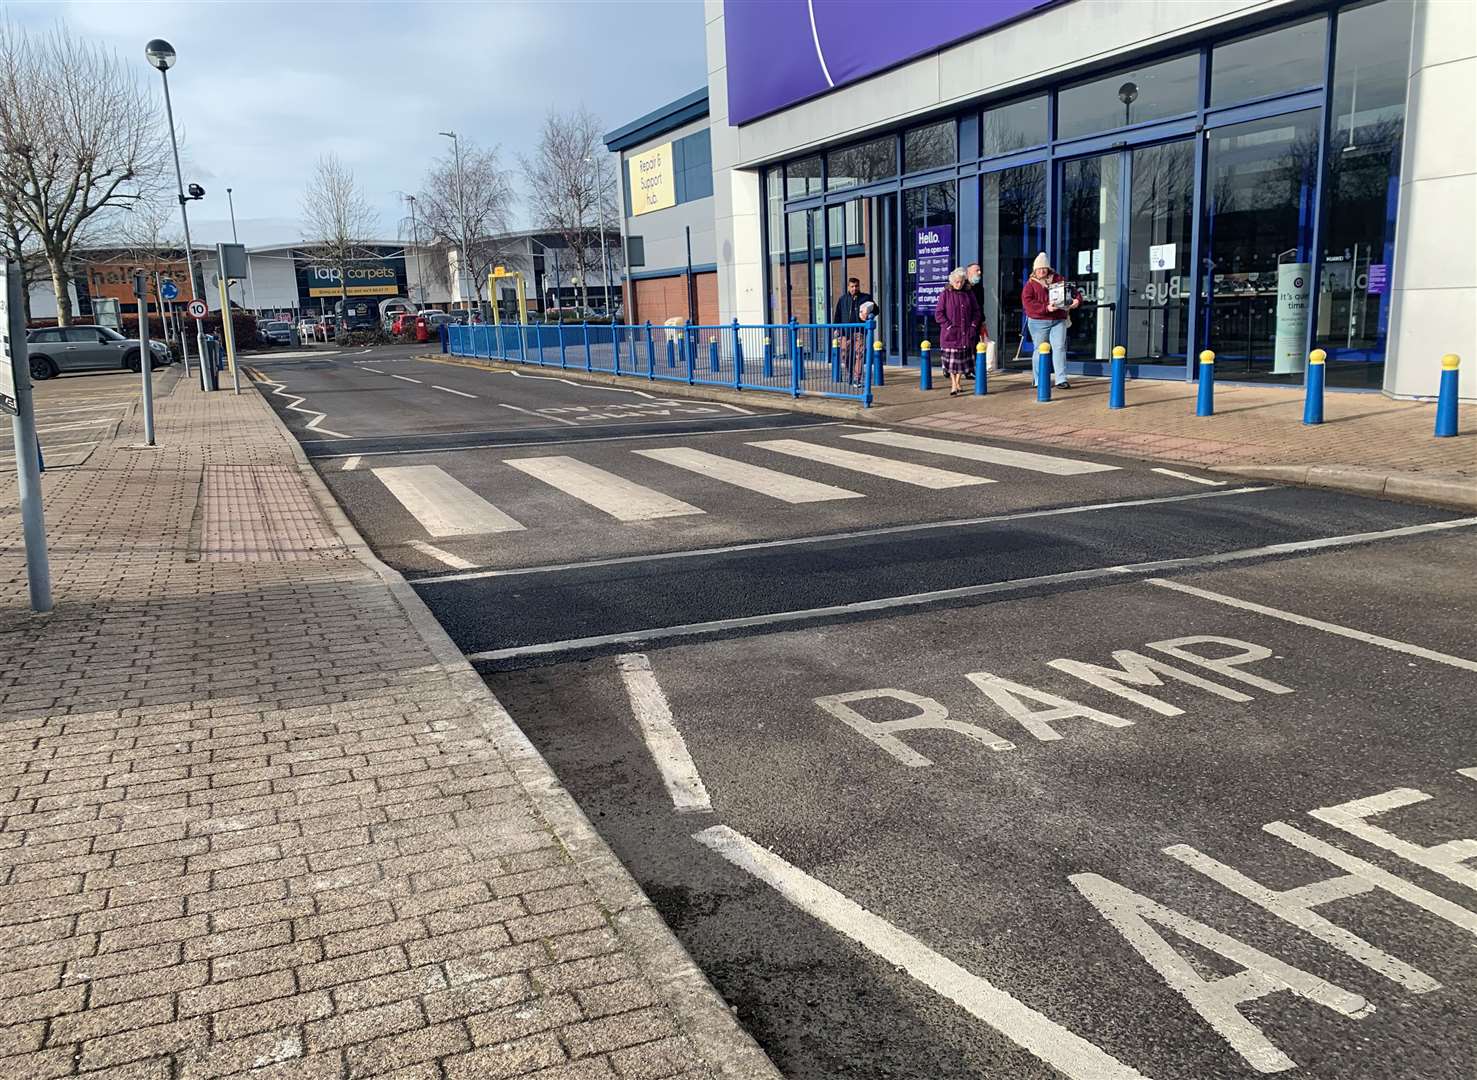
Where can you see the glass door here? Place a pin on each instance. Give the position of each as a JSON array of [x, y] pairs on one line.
[[1091, 242], [1126, 222], [1161, 215], [1012, 231], [929, 253], [1256, 291]]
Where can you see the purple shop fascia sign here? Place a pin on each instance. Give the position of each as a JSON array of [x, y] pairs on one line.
[[933, 248], [780, 52]]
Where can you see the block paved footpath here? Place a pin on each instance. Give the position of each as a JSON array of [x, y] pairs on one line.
[[258, 817]]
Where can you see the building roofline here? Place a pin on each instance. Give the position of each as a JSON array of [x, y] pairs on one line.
[[669, 117]]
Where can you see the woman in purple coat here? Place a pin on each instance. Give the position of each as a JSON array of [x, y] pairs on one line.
[[958, 315]]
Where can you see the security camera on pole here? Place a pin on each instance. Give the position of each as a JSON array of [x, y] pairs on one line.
[[160, 54]]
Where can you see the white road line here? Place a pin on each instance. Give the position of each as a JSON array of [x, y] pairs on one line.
[[77, 424], [995, 455], [826, 538], [404, 378], [559, 442], [622, 499], [1319, 624], [1066, 1052], [771, 482], [890, 468], [48, 410], [280, 389], [887, 603], [366, 367], [443, 504], [1187, 476], [449, 390], [665, 743], [441, 555], [351, 462], [541, 416]]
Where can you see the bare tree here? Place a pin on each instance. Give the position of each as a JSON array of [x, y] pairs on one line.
[[477, 205], [564, 182], [338, 218], [81, 137], [147, 237], [18, 242]]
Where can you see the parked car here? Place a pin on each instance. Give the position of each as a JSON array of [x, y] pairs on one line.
[[403, 322], [278, 333], [307, 330], [57, 349]]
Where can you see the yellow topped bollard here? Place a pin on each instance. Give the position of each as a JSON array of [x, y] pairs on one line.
[[1205, 399], [1043, 371], [1313, 388], [1117, 378], [925, 365], [1446, 401], [981, 387]]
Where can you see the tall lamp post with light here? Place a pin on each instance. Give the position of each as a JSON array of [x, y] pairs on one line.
[[461, 212], [160, 54], [415, 238]]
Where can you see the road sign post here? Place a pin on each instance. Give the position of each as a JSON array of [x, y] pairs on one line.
[[145, 356], [231, 258], [15, 398]]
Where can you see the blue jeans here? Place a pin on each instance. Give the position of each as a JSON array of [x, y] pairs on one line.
[[1054, 331]]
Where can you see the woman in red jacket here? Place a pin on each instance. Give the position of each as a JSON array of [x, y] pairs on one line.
[[1047, 321], [959, 322]]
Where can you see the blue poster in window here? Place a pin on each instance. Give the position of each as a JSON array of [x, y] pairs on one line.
[[933, 248], [1379, 279]]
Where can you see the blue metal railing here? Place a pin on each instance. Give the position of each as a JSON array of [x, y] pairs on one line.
[[800, 359]]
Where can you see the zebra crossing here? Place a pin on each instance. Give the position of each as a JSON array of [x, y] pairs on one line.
[[444, 507]]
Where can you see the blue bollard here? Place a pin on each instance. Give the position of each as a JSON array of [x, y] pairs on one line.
[[925, 366], [442, 332], [1118, 378], [1043, 372], [713, 355], [768, 359], [1446, 401], [1313, 388], [981, 387], [1205, 399], [877, 365], [835, 359]]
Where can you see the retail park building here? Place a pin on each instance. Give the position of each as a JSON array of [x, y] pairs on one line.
[[1256, 177]]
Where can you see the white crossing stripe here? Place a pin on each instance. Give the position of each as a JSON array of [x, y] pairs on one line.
[[351, 463], [995, 455], [668, 748], [617, 496], [1065, 1051], [771, 482], [1187, 476], [456, 562], [906, 472], [402, 378], [443, 504], [449, 390]]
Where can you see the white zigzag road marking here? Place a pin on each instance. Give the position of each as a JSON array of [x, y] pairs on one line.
[[280, 389]]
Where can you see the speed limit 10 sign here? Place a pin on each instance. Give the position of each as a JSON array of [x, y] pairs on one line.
[[198, 309]]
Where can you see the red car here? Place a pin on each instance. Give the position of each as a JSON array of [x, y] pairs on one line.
[[403, 322]]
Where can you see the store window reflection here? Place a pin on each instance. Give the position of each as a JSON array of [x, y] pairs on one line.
[[1130, 96], [1160, 218], [1362, 186], [774, 191], [930, 147], [1256, 288], [862, 164], [1277, 62], [1012, 231], [1012, 127]]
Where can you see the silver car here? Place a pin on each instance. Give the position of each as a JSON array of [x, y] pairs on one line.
[[57, 349]]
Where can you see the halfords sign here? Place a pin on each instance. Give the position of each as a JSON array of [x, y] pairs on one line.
[[371, 279], [652, 186], [783, 51]]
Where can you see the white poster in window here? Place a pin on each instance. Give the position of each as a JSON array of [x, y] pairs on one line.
[[1161, 256], [1086, 261], [1294, 301]]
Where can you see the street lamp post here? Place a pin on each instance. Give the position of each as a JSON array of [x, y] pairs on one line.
[[420, 274], [461, 213], [161, 55], [604, 251]]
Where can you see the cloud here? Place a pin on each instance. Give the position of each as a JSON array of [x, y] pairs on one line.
[[261, 89]]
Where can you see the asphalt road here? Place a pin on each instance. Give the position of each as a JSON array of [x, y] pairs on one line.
[[1092, 772]]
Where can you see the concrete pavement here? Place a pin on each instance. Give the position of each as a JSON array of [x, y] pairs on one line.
[[258, 817]]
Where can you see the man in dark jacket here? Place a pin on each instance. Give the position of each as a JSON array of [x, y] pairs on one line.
[[853, 342]]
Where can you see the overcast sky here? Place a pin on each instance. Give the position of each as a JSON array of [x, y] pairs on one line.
[[262, 88]]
